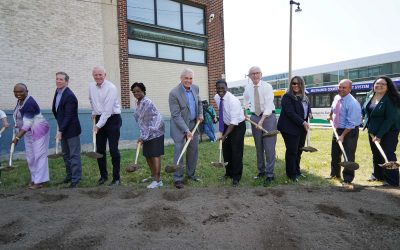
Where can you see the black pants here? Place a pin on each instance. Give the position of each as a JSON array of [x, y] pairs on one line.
[[233, 151], [110, 132], [389, 143], [293, 153], [350, 147]]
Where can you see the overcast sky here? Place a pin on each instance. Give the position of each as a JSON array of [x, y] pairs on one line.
[[326, 31]]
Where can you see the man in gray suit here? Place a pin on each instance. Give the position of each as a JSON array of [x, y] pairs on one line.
[[186, 109]]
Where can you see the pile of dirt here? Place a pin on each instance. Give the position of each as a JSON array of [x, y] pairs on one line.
[[285, 217]]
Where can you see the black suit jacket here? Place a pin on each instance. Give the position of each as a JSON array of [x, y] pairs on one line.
[[67, 114], [291, 118]]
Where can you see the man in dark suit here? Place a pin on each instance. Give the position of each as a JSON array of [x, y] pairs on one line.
[[65, 110], [186, 109]]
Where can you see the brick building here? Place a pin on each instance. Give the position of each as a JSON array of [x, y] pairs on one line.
[[150, 41]]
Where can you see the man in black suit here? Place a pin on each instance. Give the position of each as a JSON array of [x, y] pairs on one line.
[[65, 110]]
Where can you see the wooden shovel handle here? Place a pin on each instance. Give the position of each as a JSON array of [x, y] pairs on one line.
[[339, 142], [187, 143], [139, 144]]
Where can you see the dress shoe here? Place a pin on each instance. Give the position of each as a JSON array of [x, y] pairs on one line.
[[235, 183], [194, 178], [73, 185], [178, 184], [101, 181], [115, 183], [268, 181]]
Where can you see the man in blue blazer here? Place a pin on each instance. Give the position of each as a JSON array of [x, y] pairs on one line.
[[65, 110], [186, 109]]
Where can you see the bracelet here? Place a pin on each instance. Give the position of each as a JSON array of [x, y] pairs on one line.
[[17, 138]]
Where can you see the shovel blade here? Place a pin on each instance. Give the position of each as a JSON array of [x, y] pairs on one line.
[[133, 168], [271, 133], [309, 149], [94, 155], [390, 165], [349, 165], [55, 156], [219, 164], [172, 168]]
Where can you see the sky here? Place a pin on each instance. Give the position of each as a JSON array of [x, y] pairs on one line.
[[325, 31]]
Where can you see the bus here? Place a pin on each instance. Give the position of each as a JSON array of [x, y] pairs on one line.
[[320, 97]]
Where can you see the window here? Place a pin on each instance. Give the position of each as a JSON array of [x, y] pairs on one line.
[[169, 52], [193, 19], [194, 55], [141, 11], [168, 14], [141, 48]]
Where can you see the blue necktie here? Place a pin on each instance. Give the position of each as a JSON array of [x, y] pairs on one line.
[[221, 116]]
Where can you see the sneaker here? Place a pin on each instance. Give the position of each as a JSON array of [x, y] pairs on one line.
[[372, 178], [148, 179], [155, 184], [259, 176]]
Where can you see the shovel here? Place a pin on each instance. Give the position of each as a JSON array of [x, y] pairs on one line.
[[346, 164], [308, 148], [220, 163], [135, 166], [176, 167], [57, 154], [387, 164], [94, 154], [266, 133], [2, 130], [10, 161]]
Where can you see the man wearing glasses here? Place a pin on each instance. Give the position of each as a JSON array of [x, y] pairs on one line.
[[259, 98]]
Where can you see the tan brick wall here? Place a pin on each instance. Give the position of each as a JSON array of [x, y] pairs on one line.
[[39, 38], [160, 77]]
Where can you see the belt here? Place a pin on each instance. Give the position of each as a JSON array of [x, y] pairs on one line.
[[252, 113]]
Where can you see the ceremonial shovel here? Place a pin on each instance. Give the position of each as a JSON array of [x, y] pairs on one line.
[[387, 164], [135, 166], [266, 133], [2, 130], [94, 154], [57, 154], [308, 148], [346, 164], [220, 163], [176, 167], [10, 161]]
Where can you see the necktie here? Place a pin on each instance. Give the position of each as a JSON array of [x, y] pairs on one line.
[[257, 106], [337, 113], [221, 116]]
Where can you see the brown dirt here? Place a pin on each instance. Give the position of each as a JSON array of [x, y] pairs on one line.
[[285, 217]]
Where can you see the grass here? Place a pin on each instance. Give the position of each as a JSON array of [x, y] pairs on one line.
[[316, 166]]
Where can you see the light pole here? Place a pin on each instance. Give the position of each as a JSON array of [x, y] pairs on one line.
[[298, 9]]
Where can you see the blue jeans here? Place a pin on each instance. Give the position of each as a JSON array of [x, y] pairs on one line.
[[209, 130], [71, 149]]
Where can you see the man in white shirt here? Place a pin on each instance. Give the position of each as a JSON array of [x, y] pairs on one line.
[[232, 127], [106, 111], [259, 97]]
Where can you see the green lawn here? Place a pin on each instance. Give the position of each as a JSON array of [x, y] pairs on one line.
[[316, 166]]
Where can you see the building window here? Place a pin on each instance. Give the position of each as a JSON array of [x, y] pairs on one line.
[[169, 52], [141, 11], [193, 19], [140, 48], [194, 55], [168, 14]]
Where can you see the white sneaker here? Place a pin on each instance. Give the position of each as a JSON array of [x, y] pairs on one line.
[[155, 184], [148, 179]]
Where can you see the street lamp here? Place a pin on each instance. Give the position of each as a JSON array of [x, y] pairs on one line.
[[298, 9]]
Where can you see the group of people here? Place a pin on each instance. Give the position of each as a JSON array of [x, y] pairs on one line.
[[381, 113]]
